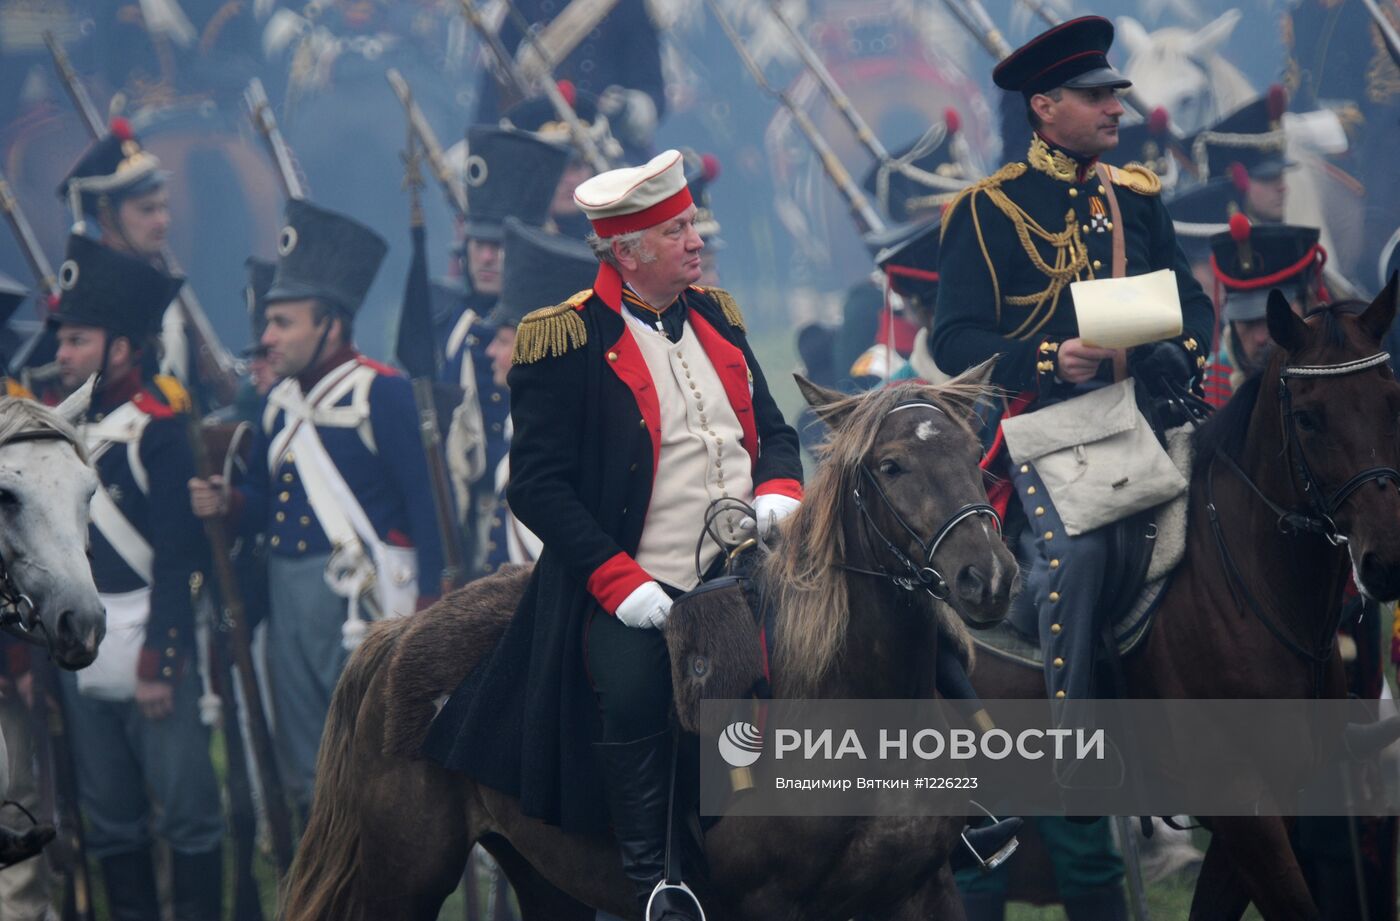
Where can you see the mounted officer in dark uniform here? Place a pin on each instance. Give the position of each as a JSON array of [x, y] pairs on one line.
[[636, 405], [1012, 245]]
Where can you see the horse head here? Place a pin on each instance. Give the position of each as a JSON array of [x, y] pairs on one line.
[[1340, 419], [47, 594], [1182, 71], [901, 473]]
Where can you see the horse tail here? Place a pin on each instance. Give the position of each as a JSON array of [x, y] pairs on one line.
[[320, 886]]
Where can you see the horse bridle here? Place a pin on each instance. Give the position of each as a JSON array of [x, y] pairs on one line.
[[1318, 520], [17, 611], [922, 575]]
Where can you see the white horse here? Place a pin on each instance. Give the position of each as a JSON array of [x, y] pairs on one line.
[[47, 596], [1182, 70]]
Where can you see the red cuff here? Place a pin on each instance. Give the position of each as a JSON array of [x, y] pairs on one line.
[[612, 582], [153, 666], [790, 488]]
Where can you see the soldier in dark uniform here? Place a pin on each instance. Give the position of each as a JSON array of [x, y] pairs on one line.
[[618, 61], [509, 173], [1248, 148], [636, 404], [538, 116], [1011, 246], [1249, 262], [118, 194], [338, 480], [134, 714], [541, 269]]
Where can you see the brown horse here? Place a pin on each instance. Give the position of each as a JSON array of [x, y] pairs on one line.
[[389, 834], [1299, 471]]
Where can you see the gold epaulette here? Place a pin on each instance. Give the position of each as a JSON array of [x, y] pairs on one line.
[[1005, 174], [1137, 177], [727, 304], [551, 331], [176, 397]]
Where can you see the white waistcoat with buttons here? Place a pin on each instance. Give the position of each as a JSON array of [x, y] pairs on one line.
[[701, 458]]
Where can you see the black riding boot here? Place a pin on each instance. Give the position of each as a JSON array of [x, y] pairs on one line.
[[131, 887], [197, 881], [987, 847], [638, 779]]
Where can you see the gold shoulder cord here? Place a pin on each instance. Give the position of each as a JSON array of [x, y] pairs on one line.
[[551, 331], [727, 305], [1071, 255]]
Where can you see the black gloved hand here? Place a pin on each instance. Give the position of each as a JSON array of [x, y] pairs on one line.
[[1164, 372], [1161, 367]]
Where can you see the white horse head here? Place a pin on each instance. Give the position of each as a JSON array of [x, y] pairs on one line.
[[1182, 70], [46, 484]]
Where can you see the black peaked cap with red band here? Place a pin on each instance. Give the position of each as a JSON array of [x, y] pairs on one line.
[[1073, 54]]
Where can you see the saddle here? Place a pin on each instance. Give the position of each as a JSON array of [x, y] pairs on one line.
[[1144, 551], [717, 639]]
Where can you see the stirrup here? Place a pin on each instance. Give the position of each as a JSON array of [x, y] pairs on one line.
[[1001, 855], [681, 889]]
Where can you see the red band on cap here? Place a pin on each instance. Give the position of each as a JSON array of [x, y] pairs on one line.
[[663, 210], [1315, 254], [1062, 61], [911, 272]]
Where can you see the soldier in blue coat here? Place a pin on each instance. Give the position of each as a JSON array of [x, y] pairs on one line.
[[510, 173], [141, 749], [337, 479]]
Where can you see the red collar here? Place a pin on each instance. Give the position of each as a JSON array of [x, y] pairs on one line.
[[117, 392], [340, 356]]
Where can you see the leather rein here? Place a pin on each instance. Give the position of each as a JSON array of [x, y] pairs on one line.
[[1317, 518]]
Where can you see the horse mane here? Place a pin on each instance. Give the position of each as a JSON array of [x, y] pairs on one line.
[[19, 416], [1225, 430], [808, 586]]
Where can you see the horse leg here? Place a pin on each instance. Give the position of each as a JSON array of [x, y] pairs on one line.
[[414, 840], [539, 899], [936, 898], [1220, 894], [1260, 856]]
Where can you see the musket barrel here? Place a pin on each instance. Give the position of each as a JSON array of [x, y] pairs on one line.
[[418, 124], [864, 213], [265, 121], [577, 132], [28, 242], [838, 97]]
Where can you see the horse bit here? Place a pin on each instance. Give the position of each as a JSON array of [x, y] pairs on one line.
[[925, 577], [17, 610]]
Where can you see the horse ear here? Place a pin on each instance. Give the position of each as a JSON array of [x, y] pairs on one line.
[[75, 407], [1286, 328], [1377, 318], [826, 403], [1212, 35], [1133, 35]]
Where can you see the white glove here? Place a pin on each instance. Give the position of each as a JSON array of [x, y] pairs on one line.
[[770, 509], [647, 607]]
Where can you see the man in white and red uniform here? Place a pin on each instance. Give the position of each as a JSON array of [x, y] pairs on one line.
[[636, 405]]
